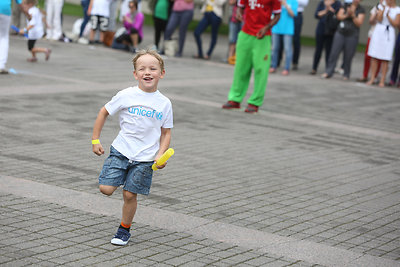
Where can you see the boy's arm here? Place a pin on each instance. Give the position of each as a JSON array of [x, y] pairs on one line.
[[98, 126], [264, 29], [165, 139]]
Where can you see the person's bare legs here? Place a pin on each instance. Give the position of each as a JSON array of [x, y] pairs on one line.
[[384, 67], [232, 49], [101, 37], [130, 202], [374, 66], [134, 39], [91, 35], [39, 50], [107, 189], [129, 207]]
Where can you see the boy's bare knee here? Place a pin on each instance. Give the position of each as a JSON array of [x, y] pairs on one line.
[[129, 196], [107, 189]]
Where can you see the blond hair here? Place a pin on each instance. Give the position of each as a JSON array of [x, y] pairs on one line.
[[150, 52]]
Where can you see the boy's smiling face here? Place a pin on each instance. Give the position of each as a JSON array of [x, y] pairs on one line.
[[148, 72]]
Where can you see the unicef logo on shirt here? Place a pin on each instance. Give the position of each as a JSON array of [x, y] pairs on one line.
[[141, 111]]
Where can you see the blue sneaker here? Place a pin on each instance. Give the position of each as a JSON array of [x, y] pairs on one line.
[[121, 238]]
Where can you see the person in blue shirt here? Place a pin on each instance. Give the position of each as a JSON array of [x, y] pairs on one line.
[[5, 21], [284, 29]]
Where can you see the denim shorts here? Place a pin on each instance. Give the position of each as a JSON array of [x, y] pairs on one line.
[[136, 177]]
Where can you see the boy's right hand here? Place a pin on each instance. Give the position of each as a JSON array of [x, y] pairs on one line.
[[98, 149]]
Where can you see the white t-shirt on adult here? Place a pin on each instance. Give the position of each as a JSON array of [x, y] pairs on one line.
[[141, 117], [36, 32], [101, 8]]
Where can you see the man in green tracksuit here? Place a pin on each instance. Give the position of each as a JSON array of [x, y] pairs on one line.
[[253, 51]]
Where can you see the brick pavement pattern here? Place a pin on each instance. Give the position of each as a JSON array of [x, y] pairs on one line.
[[312, 180]]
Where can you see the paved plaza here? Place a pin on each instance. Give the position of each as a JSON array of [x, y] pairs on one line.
[[312, 180]]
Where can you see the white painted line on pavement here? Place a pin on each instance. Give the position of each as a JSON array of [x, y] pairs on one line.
[[273, 244], [297, 119]]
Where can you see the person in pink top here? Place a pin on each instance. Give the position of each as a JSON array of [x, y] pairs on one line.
[[133, 23], [182, 14]]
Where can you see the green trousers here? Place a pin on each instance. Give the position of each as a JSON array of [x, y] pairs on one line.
[[251, 53]]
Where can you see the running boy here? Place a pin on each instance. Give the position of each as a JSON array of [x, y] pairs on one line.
[[34, 29], [253, 50], [146, 120]]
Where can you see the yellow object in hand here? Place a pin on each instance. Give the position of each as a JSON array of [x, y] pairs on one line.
[[161, 161]]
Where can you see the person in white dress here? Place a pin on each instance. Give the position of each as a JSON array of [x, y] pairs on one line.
[[383, 39]]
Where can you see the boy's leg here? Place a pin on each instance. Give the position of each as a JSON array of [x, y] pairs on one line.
[[261, 67], [31, 48], [104, 22], [107, 189], [242, 72], [46, 51], [129, 207], [95, 24], [101, 38], [121, 238]]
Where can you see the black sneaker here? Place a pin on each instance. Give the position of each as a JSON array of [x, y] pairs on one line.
[[121, 238]]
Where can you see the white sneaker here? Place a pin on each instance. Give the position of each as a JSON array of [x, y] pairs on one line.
[[82, 40]]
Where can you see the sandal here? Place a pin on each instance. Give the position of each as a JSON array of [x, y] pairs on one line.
[[33, 59]]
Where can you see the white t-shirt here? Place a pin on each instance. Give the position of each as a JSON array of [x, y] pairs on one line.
[[101, 8], [37, 31], [141, 117]]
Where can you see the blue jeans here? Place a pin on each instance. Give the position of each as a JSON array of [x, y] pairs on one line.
[[181, 19], [85, 7], [209, 18], [298, 23], [234, 29], [120, 46], [276, 45], [396, 61]]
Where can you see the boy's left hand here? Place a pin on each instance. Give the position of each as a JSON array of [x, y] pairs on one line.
[[261, 33], [160, 166]]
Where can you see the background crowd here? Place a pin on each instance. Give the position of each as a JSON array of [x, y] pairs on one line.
[[336, 35]]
